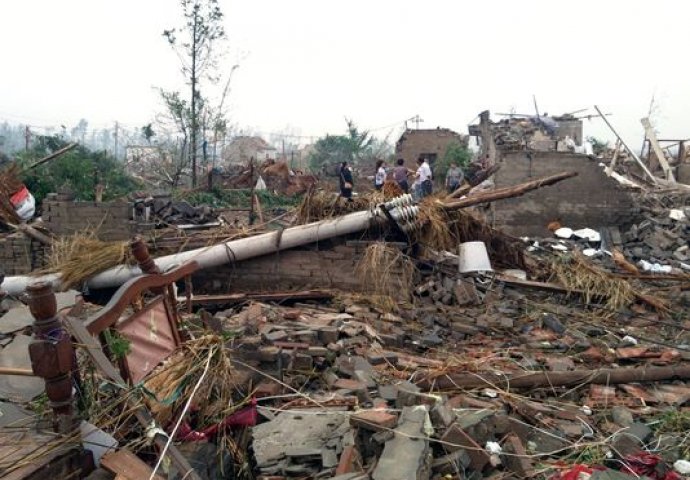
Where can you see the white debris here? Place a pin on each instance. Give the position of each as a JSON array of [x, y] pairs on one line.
[[654, 267], [678, 215], [493, 448], [588, 234], [487, 392], [559, 247], [591, 252], [628, 340], [564, 232], [586, 410], [682, 467]]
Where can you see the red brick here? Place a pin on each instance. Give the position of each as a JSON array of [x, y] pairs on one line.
[[348, 384], [376, 420], [349, 461]]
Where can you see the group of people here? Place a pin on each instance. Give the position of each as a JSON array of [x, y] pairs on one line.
[[423, 178]]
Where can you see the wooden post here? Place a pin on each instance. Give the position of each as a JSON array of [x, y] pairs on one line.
[[141, 254], [654, 145], [625, 145], [612, 165], [52, 355]]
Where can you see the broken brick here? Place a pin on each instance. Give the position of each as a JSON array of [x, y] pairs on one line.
[[375, 420]]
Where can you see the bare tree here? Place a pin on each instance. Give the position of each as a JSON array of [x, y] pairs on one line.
[[195, 48]]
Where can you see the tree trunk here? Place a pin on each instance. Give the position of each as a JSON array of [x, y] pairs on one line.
[[194, 115]]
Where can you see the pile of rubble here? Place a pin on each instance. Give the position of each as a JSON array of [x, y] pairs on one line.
[[166, 211], [349, 391], [662, 236]]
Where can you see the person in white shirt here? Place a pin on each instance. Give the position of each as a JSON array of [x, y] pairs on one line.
[[380, 177], [424, 177]]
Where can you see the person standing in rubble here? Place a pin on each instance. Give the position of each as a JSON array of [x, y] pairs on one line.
[[346, 181], [424, 178], [380, 177], [454, 177], [400, 175]]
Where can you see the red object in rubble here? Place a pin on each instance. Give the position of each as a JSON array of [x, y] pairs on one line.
[[573, 473], [247, 417], [19, 196], [649, 465]]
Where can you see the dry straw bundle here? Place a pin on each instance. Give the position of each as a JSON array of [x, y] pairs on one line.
[[321, 205], [172, 383], [386, 271], [81, 256], [575, 273]]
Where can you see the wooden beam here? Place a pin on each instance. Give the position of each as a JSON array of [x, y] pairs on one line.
[[632, 154], [612, 165], [50, 157], [651, 137], [507, 192], [535, 379]]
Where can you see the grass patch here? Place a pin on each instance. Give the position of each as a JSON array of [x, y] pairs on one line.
[[237, 198]]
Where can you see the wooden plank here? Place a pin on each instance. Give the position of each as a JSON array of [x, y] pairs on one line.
[[124, 464], [651, 136], [262, 297], [612, 165]]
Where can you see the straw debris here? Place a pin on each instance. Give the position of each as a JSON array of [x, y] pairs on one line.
[[171, 384], [386, 271], [81, 256], [575, 273]]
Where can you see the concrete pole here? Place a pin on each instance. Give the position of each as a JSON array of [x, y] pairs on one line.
[[242, 249]]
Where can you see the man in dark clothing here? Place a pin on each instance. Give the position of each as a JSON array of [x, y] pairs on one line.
[[346, 181]]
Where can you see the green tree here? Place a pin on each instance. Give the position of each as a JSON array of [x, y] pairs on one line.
[[79, 170], [148, 133], [455, 153], [354, 147], [201, 30]]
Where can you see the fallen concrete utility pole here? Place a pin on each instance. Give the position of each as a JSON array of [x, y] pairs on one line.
[[401, 209], [508, 192], [605, 376]]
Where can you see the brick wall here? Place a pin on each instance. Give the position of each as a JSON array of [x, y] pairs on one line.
[[589, 200], [20, 254], [329, 265], [414, 143], [111, 219]]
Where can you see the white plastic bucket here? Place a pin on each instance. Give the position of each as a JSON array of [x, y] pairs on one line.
[[474, 258]]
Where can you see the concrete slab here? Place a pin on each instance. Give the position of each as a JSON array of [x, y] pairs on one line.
[[296, 430], [407, 455]]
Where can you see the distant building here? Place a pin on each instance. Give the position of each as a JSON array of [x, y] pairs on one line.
[[429, 143], [244, 148]]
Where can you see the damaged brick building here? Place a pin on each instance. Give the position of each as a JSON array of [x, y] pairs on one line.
[[525, 150]]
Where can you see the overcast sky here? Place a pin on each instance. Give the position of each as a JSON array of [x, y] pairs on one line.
[[304, 65]]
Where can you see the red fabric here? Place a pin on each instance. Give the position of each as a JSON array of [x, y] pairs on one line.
[[649, 465], [573, 473], [247, 417], [19, 196]]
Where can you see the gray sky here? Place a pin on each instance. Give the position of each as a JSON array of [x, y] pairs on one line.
[[306, 64]]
